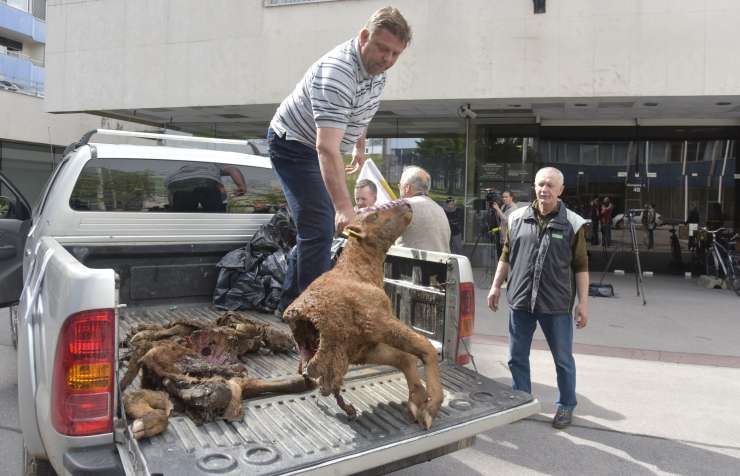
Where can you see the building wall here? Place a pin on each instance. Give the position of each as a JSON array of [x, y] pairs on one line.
[[112, 54], [32, 141], [30, 123]]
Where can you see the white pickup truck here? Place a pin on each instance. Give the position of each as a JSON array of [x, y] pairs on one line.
[[130, 234]]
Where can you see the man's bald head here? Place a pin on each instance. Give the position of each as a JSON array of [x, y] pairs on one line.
[[548, 186], [551, 171]]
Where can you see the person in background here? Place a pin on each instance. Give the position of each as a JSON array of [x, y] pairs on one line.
[[197, 187], [366, 193], [605, 218], [649, 221], [503, 212], [595, 220], [429, 229], [455, 220], [542, 286]]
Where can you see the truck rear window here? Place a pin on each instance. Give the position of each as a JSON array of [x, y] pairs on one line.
[[136, 185]]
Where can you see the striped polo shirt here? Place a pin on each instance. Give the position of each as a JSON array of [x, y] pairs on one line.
[[336, 92]]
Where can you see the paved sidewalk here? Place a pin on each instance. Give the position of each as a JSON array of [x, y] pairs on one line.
[[680, 317], [633, 418]]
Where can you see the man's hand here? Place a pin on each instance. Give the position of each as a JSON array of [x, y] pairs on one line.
[[358, 159], [493, 295], [581, 315], [342, 218]]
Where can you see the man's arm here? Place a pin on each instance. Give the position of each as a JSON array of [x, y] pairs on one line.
[[237, 177], [502, 271], [332, 170], [580, 269], [582, 306], [358, 155]]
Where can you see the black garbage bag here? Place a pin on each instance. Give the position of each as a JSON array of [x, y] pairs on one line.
[[276, 265], [280, 233], [251, 277]]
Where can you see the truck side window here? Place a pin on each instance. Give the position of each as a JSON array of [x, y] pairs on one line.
[[11, 207], [136, 185]]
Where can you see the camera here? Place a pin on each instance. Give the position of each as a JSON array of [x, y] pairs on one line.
[[492, 196], [465, 111]]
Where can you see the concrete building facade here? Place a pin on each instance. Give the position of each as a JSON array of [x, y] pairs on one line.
[[32, 140], [638, 100]]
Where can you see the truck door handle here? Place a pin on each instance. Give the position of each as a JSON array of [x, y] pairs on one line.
[[7, 251]]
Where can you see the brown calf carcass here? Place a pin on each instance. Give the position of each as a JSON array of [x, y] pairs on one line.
[[344, 317], [196, 365]]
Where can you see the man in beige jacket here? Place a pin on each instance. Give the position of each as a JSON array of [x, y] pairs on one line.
[[429, 229]]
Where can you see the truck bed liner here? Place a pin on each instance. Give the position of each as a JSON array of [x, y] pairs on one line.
[[301, 432]]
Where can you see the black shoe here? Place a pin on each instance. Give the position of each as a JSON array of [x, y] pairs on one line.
[[563, 418]]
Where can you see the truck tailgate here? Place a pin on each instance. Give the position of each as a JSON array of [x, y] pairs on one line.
[[305, 433]]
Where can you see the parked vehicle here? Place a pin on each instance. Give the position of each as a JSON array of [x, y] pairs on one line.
[[130, 234], [618, 220]]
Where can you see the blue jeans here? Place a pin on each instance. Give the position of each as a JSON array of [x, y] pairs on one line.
[[558, 330], [297, 167]]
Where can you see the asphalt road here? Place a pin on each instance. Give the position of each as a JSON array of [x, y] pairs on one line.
[[10, 437]]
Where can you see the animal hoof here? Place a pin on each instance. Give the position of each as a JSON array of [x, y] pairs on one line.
[[425, 420], [138, 429], [413, 409], [351, 412]]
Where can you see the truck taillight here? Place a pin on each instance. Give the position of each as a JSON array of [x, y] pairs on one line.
[[465, 323], [82, 389]]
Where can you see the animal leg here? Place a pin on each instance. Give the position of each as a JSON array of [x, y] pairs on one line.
[[233, 411], [134, 365], [396, 334], [254, 387], [329, 365], [348, 408], [150, 410], [383, 354]]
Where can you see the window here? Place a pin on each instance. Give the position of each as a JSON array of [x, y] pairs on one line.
[[278, 3], [136, 185], [11, 206], [19, 4]]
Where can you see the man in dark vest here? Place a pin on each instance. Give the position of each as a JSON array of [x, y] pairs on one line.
[[544, 257]]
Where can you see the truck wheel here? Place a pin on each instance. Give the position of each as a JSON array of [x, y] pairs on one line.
[[36, 467], [13, 310]]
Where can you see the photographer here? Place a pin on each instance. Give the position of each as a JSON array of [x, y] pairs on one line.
[[503, 212]]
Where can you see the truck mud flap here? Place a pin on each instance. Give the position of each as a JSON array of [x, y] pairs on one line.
[[308, 433]]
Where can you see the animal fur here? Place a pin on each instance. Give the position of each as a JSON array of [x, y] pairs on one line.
[[344, 317], [196, 364]]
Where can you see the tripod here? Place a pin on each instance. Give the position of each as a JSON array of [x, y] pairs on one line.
[[493, 239], [639, 284]]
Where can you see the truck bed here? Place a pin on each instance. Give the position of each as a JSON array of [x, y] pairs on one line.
[[305, 433]]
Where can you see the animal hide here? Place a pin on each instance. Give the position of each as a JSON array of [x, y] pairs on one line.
[[344, 317]]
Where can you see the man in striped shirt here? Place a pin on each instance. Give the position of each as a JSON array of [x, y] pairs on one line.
[[325, 116]]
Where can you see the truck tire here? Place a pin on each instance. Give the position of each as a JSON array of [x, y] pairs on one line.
[[36, 467], [13, 311]]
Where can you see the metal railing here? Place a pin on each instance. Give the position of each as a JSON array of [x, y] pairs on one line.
[[17, 54], [21, 86]]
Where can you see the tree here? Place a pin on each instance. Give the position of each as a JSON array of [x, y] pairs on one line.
[[442, 157]]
